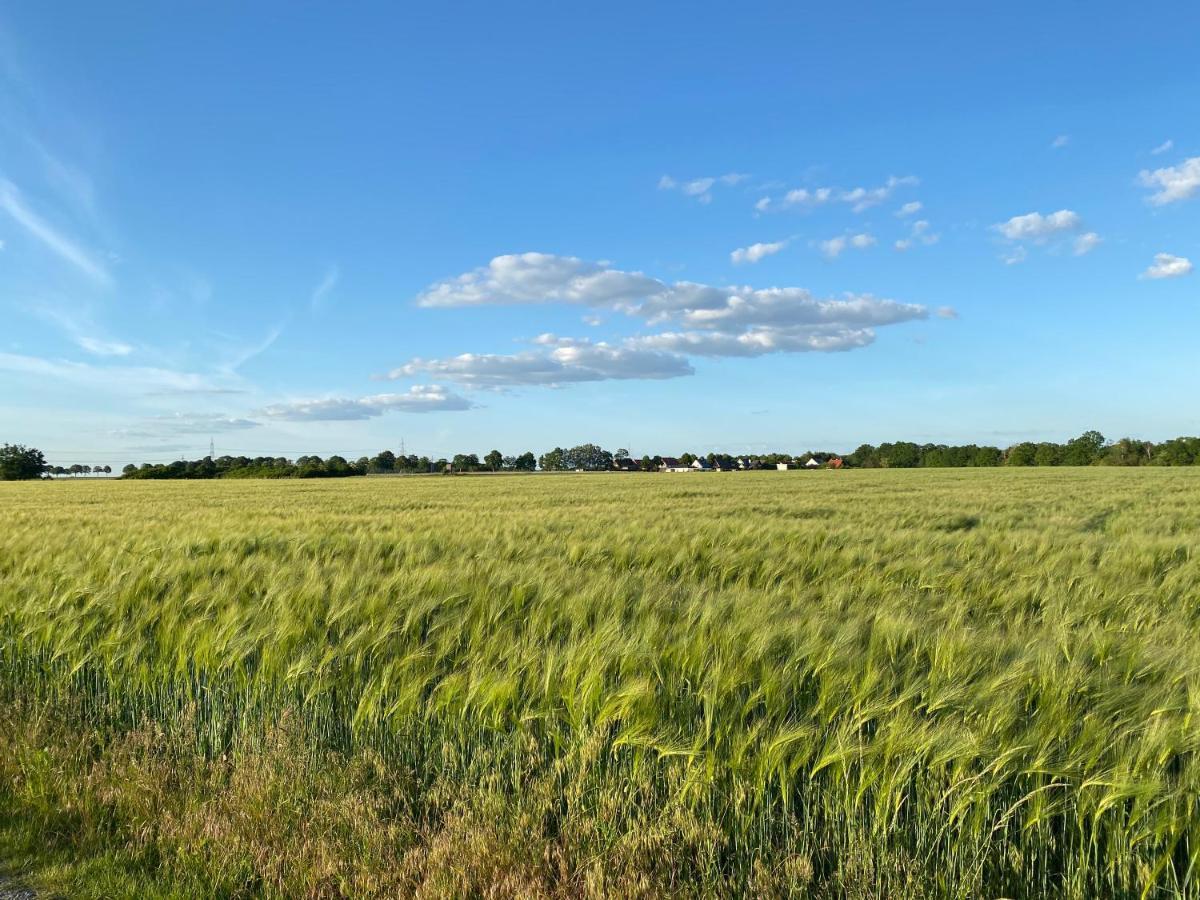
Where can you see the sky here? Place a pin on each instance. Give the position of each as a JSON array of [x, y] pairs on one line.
[[329, 228]]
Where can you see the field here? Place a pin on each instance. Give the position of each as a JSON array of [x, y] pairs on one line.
[[858, 683]]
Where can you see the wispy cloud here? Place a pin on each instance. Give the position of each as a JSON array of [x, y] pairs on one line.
[[921, 234], [701, 188], [1164, 147], [328, 282], [755, 252], [115, 379], [1059, 142], [1087, 242], [909, 209], [13, 203]]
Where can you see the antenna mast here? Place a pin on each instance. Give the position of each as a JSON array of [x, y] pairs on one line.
[[212, 449]]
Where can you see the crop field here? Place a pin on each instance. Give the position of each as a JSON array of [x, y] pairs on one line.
[[864, 684]]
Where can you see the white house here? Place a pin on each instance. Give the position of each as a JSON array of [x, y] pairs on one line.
[[812, 463]]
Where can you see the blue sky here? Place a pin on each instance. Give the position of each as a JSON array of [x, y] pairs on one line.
[[321, 228]]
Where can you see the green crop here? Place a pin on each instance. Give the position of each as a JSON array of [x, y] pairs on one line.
[[858, 683]]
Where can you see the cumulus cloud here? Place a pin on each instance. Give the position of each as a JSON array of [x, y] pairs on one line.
[[562, 361], [1087, 242], [1163, 147], [755, 252], [700, 188], [541, 278], [420, 398], [1036, 227], [1172, 183], [1167, 265], [703, 320], [909, 209]]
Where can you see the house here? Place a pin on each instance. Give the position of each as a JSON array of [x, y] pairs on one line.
[[625, 464], [813, 463], [835, 463], [671, 464], [783, 466], [701, 465]]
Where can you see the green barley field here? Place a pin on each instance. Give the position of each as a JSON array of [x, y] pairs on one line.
[[870, 684]]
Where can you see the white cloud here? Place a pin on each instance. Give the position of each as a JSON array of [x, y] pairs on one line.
[[864, 198], [1163, 147], [419, 398], [1174, 182], [1036, 227], [946, 312], [708, 320], [920, 234], [1017, 255], [541, 278], [116, 379], [805, 197], [199, 423], [62, 246], [1061, 141], [1087, 242], [755, 252], [763, 204], [102, 347], [1167, 265], [909, 209], [833, 247], [759, 341], [701, 188], [566, 361]]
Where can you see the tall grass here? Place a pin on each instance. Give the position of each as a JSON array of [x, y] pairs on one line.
[[870, 683]]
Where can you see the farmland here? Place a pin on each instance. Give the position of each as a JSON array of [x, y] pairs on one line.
[[863, 683]]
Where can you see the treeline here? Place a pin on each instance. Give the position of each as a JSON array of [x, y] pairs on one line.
[[1090, 448]]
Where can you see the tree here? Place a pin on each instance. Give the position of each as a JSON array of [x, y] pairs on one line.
[[1046, 455], [622, 453], [588, 458], [526, 462], [20, 463], [494, 460], [1021, 454], [384, 462], [553, 460], [1083, 450]]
